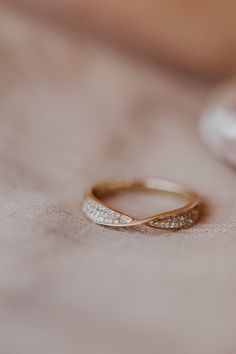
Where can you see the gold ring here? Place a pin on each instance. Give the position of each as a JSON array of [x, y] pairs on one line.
[[100, 213]]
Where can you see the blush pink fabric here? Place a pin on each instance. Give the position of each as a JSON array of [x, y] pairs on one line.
[[72, 112]]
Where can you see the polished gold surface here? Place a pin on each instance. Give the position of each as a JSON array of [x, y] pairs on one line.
[[100, 213]]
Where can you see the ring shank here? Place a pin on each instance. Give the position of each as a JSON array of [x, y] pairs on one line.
[[154, 184]]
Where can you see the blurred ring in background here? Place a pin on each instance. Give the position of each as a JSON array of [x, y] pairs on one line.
[[218, 123]]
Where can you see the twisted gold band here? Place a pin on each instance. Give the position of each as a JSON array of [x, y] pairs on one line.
[[96, 211]]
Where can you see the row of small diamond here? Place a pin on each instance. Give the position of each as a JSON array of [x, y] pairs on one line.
[[181, 220], [103, 215]]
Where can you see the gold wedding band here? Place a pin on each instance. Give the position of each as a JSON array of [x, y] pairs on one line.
[[96, 211]]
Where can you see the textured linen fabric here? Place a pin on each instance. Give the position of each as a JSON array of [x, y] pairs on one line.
[[72, 112]]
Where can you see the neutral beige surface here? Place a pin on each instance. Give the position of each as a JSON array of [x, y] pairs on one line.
[[73, 112]]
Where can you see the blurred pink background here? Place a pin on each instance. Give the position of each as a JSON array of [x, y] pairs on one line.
[[74, 109], [198, 36]]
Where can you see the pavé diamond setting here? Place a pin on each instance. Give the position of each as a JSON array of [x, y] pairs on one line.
[[104, 215], [178, 221], [180, 218]]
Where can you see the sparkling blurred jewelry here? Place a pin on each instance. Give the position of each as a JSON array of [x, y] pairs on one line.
[[96, 211], [218, 129]]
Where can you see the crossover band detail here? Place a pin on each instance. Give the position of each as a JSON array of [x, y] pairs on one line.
[[100, 213]]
